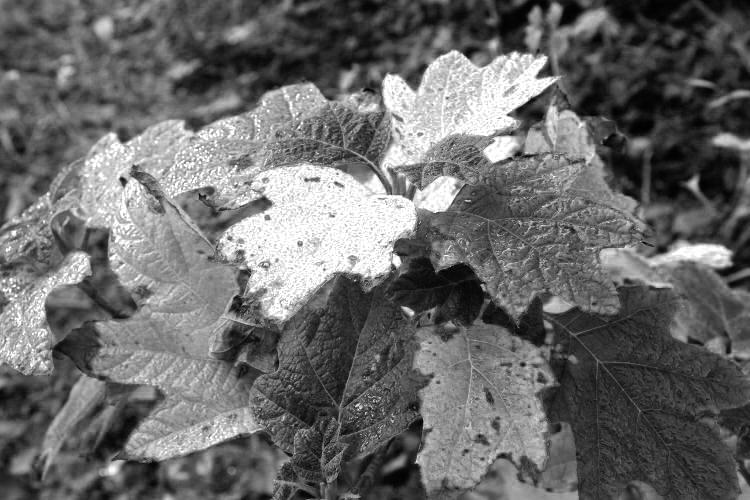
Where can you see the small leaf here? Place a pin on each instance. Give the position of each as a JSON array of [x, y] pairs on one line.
[[26, 340], [336, 137], [318, 452], [346, 355], [455, 292], [457, 97], [709, 310], [322, 222], [639, 399], [481, 402]]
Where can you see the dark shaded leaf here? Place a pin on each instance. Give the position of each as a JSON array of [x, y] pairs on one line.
[[159, 254], [524, 234], [455, 292], [459, 156], [318, 452], [639, 402], [339, 137], [346, 355]]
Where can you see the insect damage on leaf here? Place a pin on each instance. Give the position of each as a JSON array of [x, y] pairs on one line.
[[322, 222], [481, 402], [524, 233], [349, 358], [457, 97], [166, 342], [640, 402]]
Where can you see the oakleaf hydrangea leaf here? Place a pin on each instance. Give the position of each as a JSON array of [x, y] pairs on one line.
[[338, 137], [641, 402], [709, 309], [455, 293], [346, 355], [456, 156], [563, 131], [523, 234], [226, 154], [322, 222], [481, 402], [318, 452], [25, 338], [457, 97], [164, 260]]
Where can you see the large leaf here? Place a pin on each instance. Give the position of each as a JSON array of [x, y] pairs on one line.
[[523, 233], [322, 222], [457, 97], [641, 402], [25, 338], [481, 402], [346, 355], [164, 260]]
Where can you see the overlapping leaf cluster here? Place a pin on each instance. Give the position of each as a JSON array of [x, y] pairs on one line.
[[276, 304]]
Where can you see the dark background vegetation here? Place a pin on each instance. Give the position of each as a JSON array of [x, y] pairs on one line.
[[671, 74]]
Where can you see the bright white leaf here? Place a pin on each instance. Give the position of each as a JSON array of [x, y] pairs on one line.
[[322, 222], [457, 97]]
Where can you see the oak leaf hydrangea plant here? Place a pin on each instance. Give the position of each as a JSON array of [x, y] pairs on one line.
[[334, 273]]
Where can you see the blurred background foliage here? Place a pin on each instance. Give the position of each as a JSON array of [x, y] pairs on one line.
[[672, 74]]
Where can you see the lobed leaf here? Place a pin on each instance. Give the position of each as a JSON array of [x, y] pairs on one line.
[[164, 260], [322, 222], [641, 403], [346, 355], [481, 402], [455, 293], [457, 97], [523, 233]]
